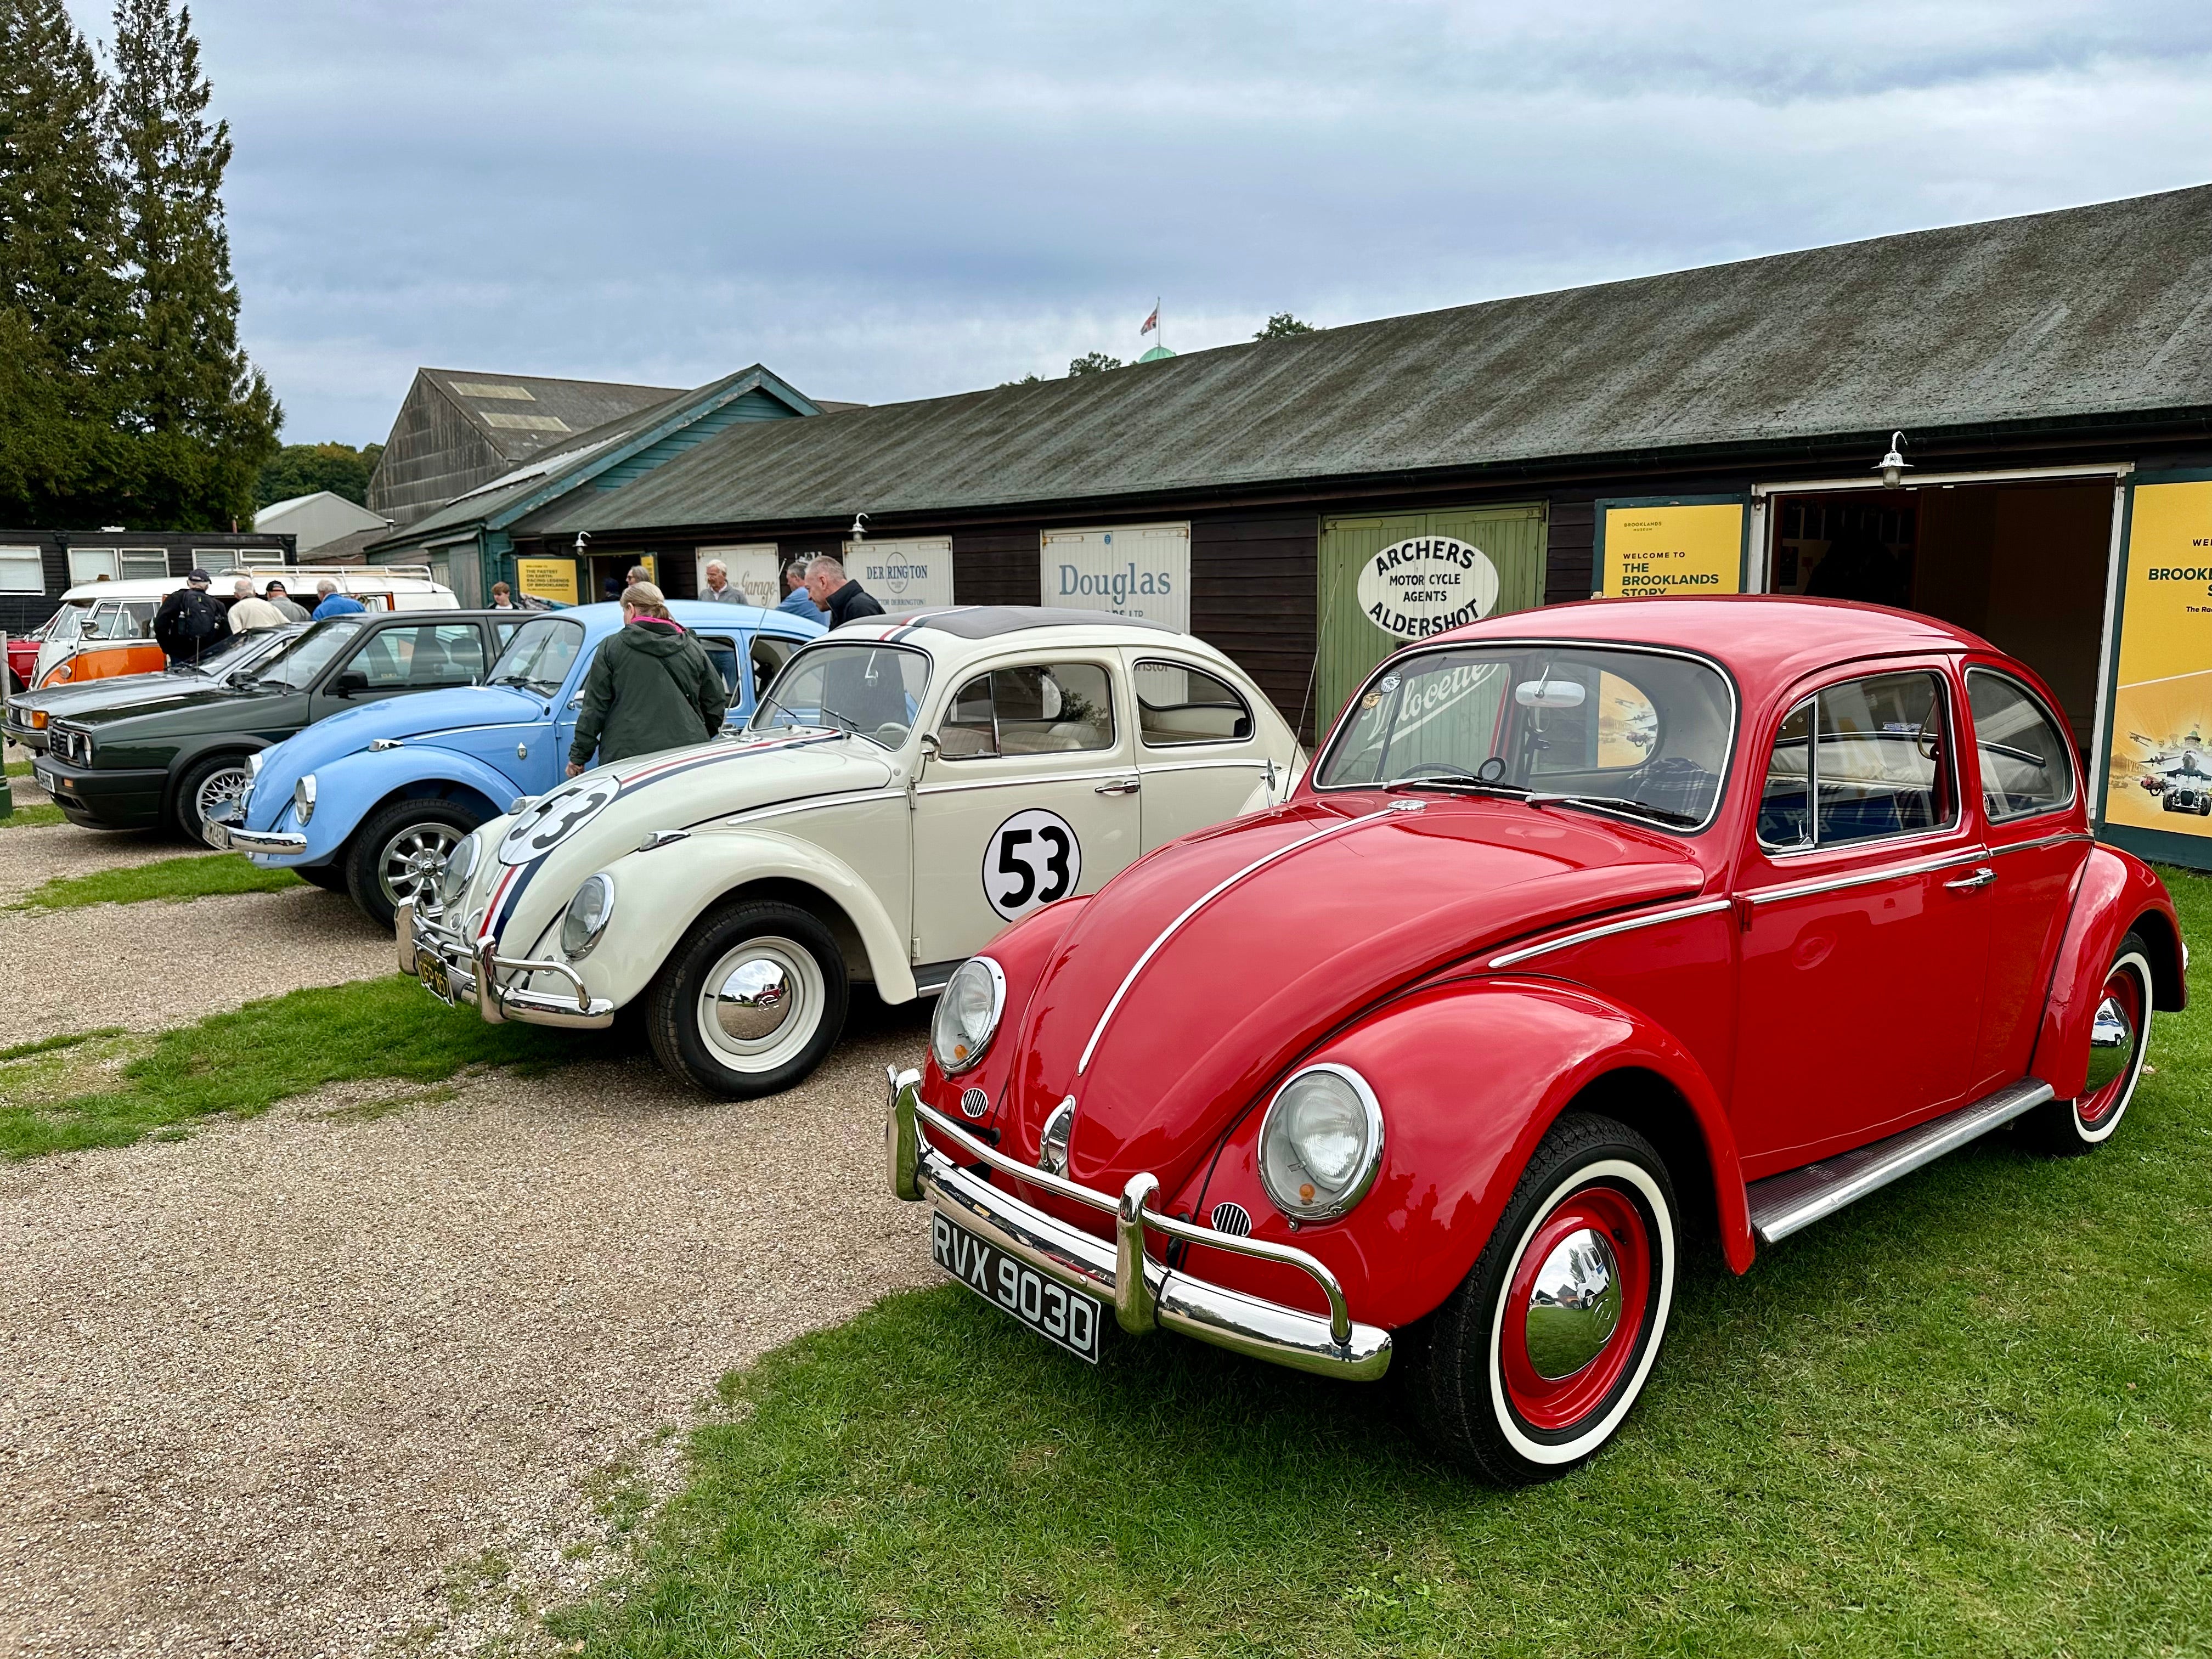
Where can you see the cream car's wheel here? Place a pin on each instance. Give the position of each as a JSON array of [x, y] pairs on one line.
[[2119, 1041], [751, 1002], [1533, 1361]]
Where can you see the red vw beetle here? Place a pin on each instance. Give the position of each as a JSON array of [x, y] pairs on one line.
[[1590, 927]]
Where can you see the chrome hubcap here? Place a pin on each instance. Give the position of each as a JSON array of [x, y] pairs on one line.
[[2111, 1044], [412, 862], [1575, 1305], [754, 999]]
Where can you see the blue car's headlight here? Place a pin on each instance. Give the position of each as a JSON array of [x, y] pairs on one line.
[[303, 798]]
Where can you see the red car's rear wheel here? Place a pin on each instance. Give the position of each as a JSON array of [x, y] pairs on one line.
[[1531, 1364], [2119, 1041]]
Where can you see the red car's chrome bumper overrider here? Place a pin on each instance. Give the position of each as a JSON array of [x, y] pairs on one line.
[[1146, 1294]]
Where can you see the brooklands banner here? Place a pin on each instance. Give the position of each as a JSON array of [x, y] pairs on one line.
[[2159, 771], [1425, 584], [1652, 548]]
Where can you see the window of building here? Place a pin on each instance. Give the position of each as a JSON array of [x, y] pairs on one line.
[[91, 564], [144, 563], [22, 571]]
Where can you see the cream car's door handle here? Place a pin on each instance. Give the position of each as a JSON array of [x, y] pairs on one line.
[[1982, 877], [1121, 786]]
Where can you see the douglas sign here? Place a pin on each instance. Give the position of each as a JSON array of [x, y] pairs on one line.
[[1413, 589]]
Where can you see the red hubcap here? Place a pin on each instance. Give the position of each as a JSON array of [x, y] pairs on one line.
[[1557, 1403], [2124, 989]]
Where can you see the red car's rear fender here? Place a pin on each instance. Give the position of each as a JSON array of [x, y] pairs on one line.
[[2115, 893], [1469, 1075]]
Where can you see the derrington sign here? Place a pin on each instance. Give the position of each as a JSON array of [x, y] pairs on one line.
[[1415, 589]]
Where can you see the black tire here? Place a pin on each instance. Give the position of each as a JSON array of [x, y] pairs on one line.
[[2070, 1128], [1481, 1387], [757, 1049], [219, 777], [397, 852], [330, 877]]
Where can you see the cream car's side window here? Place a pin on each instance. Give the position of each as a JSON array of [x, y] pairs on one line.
[[1037, 708], [1178, 704]]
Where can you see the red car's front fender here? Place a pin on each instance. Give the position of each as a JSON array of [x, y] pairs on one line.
[[2116, 892], [1469, 1075]]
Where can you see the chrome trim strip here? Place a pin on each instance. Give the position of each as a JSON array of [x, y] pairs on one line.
[[1796, 1199], [1215, 892], [1862, 878], [1010, 783], [1677, 912], [1261, 764]]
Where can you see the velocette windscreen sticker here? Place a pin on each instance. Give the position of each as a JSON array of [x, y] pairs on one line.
[[553, 820], [1032, 859]]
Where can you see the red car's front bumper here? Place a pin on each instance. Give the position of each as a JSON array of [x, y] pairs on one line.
[[1146, 1294]]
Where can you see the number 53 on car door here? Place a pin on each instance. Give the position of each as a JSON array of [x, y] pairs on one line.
[[1031, 859]]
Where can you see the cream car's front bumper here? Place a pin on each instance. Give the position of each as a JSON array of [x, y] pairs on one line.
[[453, 971], [1146, 1294]]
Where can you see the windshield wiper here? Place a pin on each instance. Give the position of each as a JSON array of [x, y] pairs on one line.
[[1620, 803], [1460, 786]]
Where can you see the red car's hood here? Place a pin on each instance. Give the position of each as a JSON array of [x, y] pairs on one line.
[[1351, 898]]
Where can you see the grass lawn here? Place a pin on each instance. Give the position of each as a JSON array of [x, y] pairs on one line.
[[191, 877], [19, 768], [1972, 1414], [29, 817], [110, 1088]]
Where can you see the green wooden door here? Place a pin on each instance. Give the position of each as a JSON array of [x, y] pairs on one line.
[[1350, 645]]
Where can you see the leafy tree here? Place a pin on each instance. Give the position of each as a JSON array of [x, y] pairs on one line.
[[202, 418], [1030, 379], [62, 306], [1093, 363], [304, 469], [1282, 326]]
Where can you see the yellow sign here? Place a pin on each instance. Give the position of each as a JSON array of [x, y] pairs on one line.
[[547, 578], [1670, 547], [2161, 756]]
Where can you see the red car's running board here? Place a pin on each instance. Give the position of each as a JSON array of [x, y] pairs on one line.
[[1781, 1204]]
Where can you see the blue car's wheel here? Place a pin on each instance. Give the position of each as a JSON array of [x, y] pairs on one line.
[[398, 852]]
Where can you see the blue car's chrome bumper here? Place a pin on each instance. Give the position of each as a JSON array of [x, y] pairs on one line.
[[220, 831]]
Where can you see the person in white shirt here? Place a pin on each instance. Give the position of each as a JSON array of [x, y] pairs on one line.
[[249, 611]]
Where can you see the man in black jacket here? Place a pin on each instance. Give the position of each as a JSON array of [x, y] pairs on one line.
[[836, 596], [190, 621]]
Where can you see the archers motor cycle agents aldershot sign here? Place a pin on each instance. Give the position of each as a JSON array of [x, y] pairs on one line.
[[1427, 584]]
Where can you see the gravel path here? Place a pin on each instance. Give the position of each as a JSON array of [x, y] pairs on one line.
[[260, 1390], [29, 857], [150, 966]]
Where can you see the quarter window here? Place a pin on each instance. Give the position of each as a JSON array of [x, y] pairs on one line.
[[2025, 766], [1035, 709], [1179, 704], [1860, 762]]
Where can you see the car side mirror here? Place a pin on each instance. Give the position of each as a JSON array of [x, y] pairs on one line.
[[349, 681]]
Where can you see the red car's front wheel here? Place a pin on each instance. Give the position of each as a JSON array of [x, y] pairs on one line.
[[1532, 1364]]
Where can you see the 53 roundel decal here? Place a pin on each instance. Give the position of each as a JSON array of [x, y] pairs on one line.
[[1031, 859], [553, 820]]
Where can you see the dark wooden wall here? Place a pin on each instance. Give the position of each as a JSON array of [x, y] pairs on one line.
[[1253, 582], [1570, 545], [1004, 565]]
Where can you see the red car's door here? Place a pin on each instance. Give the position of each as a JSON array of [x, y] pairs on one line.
[[1864, 929], [2037, 835]]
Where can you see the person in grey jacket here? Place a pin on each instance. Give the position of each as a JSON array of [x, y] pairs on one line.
[[287, 607], [718, 590], [651, 687]]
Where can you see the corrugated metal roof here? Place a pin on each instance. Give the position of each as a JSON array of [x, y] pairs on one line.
[[2085, 311], [523, 414]]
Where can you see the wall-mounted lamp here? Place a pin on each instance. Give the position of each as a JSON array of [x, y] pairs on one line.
[[582, 536], [1892, 466], [860, 526]]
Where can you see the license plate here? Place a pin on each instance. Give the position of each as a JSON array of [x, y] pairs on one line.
[[435, 979], [1071, 1319], [46, 781]]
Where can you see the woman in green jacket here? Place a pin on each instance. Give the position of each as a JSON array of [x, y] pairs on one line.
[[651, 687]]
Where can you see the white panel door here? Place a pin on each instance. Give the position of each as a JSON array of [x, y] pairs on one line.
[[754, 569], [1131, 570], [904, 577]]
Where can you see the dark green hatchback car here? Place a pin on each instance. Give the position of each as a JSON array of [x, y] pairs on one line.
[[164, 760]]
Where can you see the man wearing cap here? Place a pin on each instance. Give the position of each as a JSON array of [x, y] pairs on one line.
[[287, 607], [191, 621]]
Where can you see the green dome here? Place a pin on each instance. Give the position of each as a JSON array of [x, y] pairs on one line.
[[1155, 354]]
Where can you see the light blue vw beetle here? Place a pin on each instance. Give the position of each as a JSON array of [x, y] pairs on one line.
[[370, 802]]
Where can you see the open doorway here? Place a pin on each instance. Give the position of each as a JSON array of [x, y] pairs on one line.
[[2021, 564]]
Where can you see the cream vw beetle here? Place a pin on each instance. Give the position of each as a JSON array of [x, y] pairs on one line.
[[902, 792]]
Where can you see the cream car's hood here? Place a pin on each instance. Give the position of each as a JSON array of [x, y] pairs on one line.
[[528, 864]]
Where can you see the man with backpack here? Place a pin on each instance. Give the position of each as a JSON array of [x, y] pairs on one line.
[[190, 621]]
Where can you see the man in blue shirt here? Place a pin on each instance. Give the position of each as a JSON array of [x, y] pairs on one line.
[[796, 599], [331, 602]]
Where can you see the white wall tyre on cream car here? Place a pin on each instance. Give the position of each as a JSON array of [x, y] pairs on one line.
[[1532, 1364], [2119, 1042], [751, 1002]]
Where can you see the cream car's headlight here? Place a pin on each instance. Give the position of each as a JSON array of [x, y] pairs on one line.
[[460, 865], [967, 1016], [1321, 1143], [587, 916], [303, 798]]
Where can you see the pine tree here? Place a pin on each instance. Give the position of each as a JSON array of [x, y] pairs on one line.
[[202, 418], [62, 306]]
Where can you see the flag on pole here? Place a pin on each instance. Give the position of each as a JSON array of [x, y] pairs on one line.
[[1151, 322]]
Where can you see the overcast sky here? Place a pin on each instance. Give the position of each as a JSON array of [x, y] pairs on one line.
[[888, 201]]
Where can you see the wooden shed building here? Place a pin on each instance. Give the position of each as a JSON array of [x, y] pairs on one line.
[[1710, 430]]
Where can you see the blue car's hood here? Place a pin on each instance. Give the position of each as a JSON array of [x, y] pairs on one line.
[[418, 716]]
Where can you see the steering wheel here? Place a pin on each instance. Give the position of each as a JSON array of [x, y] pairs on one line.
[[891, 734]]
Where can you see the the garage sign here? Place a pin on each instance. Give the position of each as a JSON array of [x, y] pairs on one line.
[[1423, 586]]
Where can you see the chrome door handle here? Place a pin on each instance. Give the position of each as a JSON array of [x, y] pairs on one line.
[[1121, 786], [1982, 877]]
